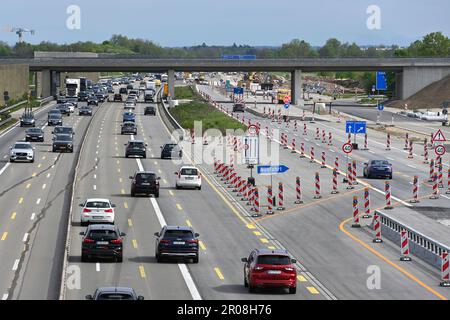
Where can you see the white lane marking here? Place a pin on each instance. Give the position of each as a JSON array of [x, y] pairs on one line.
[[48, 175], [445, 196], [44, 126], [97, 267], [95, 176], [332, 151], [5, 156], [370, 151], [389, 158], [411, 166], [95, 187], [44, 186], [38, 201], [16, 265], [25, 237], [4, 168], [5, 296], [33, 215]]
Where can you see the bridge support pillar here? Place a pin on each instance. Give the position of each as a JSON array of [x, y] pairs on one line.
[[296, 86], [45, 83], [399, 86], [171, 83]]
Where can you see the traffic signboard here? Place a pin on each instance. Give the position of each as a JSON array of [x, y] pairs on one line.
[[252, 130], [264, 170], [286, 105], [438, 137], [381, 83], [347, 148], [238, 90], [251, 150], [355, 127], [439, 150], [287, 99], [381, 107]]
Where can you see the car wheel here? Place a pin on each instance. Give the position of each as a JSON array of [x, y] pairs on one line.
[[126, 156], [292, 290], [158, 258], [133, 194], [177, 187], [32, 160], [199, 188], [11, 160], [245, 282], [251, 289], [157, 194], [390, 177], [119, 259], [195, 260], [144, 156], [84, 258]]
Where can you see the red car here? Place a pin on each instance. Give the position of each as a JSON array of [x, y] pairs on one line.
[[270, 268]]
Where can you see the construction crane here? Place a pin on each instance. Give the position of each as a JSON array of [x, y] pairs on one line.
[[19, 31]]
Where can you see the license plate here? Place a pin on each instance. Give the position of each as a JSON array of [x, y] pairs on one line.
[[102, 243], [146, 184], [189, 178], [274, 272], [178, 242]]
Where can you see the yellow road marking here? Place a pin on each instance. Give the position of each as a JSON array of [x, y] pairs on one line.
[[135, 244], [264, 240], [13, 216], [39, 165], [171, 192], [165, 181], [20, 200], [312, 290], [125, 205], [256, 233], [28, 186], [219, 273], [122, 191], [142, 271], [202, 245], [156, 162], [251, 226], [130, 223], [5, 234], [120, 180], [179, 206], [34, 174], [382, 257], [188, 223], [301, 278]]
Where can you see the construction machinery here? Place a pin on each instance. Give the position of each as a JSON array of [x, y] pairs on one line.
[[19, 31]]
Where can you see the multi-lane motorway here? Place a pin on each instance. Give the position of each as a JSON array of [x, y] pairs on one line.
[[41, 219]]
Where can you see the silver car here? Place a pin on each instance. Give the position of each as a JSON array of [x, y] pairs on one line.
[[22, 151]]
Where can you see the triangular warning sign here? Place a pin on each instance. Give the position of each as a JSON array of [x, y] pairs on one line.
[[438, 137]]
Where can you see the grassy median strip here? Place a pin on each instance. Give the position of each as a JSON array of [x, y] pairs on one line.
[[199, 110]]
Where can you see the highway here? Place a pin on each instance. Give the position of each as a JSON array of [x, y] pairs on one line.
[[41, 218]]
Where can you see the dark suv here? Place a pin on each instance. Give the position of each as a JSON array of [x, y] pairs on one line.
[[114, 293], [62, 142], [136, 148], [128, 128], [102, 240], [170, 151], [117, 97], [123, 90], [27, 119], [145, 182], [150, 110], [176, 242]]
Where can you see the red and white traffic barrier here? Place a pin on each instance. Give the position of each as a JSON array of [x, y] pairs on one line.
[[232, 179], [317, 185], [448, 182], [293, 145], [388, 142], [236, 181], [354, 175], [330, 139], [280, 196], [415, 190], [355, 213], [349, 138], [303, 115], [425, 152], [312, 154], [215, 165], [406, 141], [298, 191], [387, 191], [295, 126], [335, 182], [269, 200], [435, 194], [350, 176], [431, 177], [304, 129], [244, 191], [317, 134], [302, 150], [410, 149], [440, 176], [323, 165], [377, 227], [366, 140], [336, 163], [324, 136], [366, 203], [445, 270], [404, 246]]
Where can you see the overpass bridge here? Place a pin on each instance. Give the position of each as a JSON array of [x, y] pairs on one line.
[[412, 74]]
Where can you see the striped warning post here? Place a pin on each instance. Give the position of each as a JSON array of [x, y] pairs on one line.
[[279, 116], [224, 173], [192, 137], [304, 129], [336, 163], [298, 191], [366, 203], [232, 179], [355, 181], [323, 165], [388, 142], [435, 194], [317, 134], [415, 190], [387, 192], [317, 185], [430, 179], [312, 154], [335, 182], [235, 144], [293, 145], [349, 176], [410, 149], [324, 137], [366, 142], [302, 150], [445, 270], [240, 187], [425, 152], [440, 176], [406, 141], [236, 182], [280, 196], [349, 138], [355, 213], [285, 142], [205, 139], [244, 191], [377, 227], [330, 139], [215, 165], [269, 200], [448, 182], [295, 125], [303, 115], [256, 207], [404, 246]]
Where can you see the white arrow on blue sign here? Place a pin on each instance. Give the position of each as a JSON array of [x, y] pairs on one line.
[[286, 105], [272, 169]]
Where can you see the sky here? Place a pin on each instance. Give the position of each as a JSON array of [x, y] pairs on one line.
[[173, 23]]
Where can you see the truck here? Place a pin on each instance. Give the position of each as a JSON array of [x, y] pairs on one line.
[[83, 84], [149, 95], [72, 87], [150, 85], [164, 78], [166, 90]]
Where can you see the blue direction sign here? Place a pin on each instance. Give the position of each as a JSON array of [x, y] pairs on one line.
[[238, 90], [381, 83], [381, 107], [286, 105], [272, 169], [356, 127]]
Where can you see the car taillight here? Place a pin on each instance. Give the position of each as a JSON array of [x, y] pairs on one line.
[[117, 241], [289, 269], [88, 241], [85, 210], [108, 211], [164, 241], [192, 241]]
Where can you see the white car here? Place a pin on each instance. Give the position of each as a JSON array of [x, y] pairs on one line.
[[21, 151], [71, 108], [97, 210], [188, 177]]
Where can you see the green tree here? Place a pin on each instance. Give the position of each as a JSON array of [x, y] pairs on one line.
[[331, 49]]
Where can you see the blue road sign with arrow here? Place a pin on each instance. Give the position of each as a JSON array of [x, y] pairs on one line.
[[381, 82], [272, 169], [356, 127], [381, 107], [286, 105]]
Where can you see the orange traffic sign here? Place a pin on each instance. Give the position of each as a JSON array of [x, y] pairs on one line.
[[438, 137]]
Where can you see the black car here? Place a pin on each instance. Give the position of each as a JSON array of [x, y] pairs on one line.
[[117, 97], [61, 99], [148, 97], [27, 119], [62, 142], [377, 169], [176, 242], [55, 119], [34, 134], [82, 96], [145, 182], [238, 107], [102, 240], [123, 90], [63, 130], [150, 110], [92, 100], [129, 86], [114, 293], [100, 96], [171, 151], [85, 111], [128, 128], [136, 148], [64, 108]]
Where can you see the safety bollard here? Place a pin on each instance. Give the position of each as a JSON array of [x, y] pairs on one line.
[[387, 190], [377, 228], [317, 185], [404, 246], [269, 200], [298, 191], [366, 203], [355, 213], [280, 196], [335, 182]]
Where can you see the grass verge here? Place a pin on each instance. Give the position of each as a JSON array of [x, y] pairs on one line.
[[185, 92]]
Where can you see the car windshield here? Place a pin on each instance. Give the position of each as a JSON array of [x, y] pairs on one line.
[[184, 234], [34, 130], [144, 177], [102, 235], [63, 137], [55, 116], [22, 146], [115, 296], [274, 259], [136, 144], [28, 116], [97, 204], [380, 163], [189, 172], [65, 130], [169, 147]]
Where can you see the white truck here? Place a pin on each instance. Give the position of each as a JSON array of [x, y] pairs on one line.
[[150, 85], [72, 87]]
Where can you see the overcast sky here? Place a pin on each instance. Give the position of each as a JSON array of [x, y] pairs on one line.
[[223, 22]]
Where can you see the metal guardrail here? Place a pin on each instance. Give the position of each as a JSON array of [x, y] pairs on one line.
[[6, 111], [420, 245], [168, 117]]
